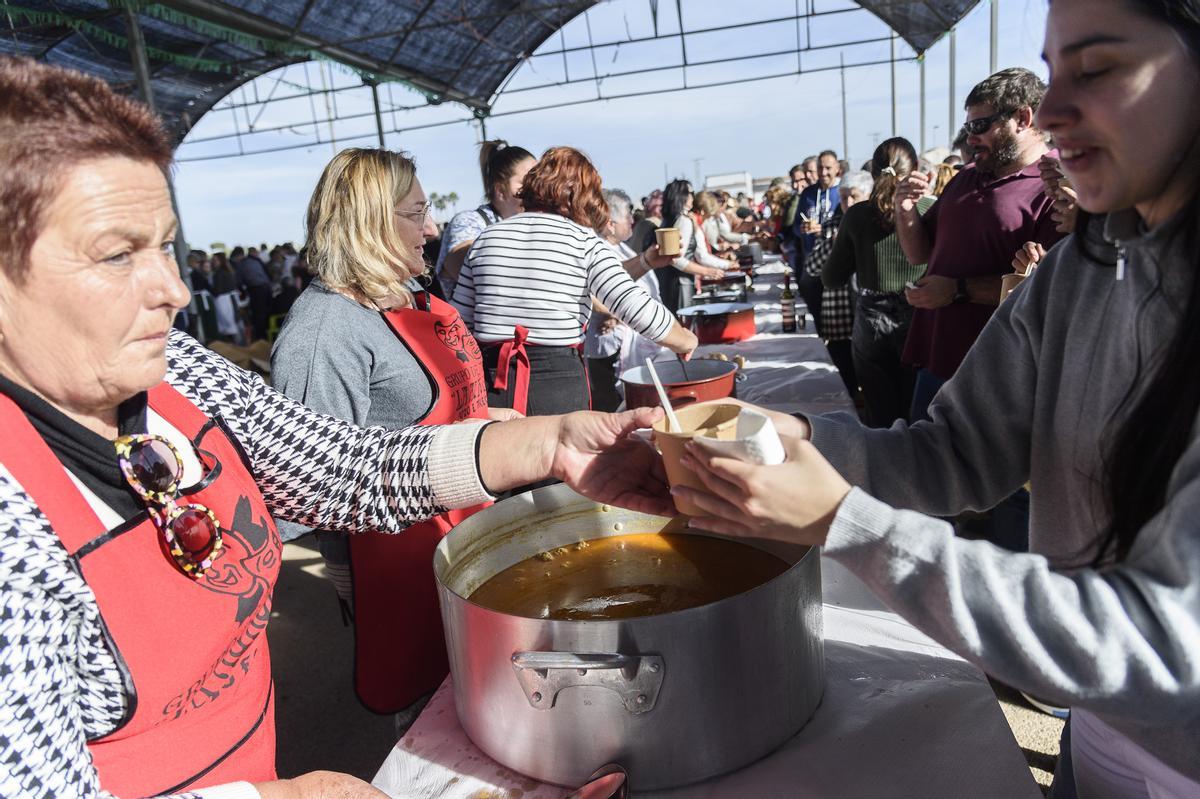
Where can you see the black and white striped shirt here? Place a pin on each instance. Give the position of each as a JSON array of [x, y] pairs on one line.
[[540, 270]]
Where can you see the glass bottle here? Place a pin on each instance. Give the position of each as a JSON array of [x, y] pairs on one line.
[[787, 302]]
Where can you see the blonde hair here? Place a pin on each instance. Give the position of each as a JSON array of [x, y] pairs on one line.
[[707, 203], [945, 173], [775, 198], [352, 240]]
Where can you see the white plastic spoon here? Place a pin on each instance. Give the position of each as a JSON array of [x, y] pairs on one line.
[[673, 425]]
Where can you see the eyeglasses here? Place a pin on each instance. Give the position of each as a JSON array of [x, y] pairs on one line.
[[418, 215], [153, 469], [978, 127]]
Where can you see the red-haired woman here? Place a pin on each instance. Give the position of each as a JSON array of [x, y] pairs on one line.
[[529, 279]]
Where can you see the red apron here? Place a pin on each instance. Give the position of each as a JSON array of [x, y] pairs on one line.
[[515, 347], [399, 647], [193, 653]]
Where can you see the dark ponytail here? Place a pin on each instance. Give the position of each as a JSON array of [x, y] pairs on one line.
[[1148, 441], [497, 163], [900, 156]]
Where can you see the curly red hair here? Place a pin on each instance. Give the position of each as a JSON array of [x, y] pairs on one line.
[[564, 182]]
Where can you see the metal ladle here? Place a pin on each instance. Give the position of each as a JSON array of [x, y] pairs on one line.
[[606, 782], [683, 366]]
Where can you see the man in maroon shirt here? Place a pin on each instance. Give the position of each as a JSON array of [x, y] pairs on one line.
[[968, 238]]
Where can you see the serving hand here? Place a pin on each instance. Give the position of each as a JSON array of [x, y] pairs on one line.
[[595, 455]]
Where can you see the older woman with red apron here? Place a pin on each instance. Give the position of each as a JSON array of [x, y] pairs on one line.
[[368, 344], [139, 473]]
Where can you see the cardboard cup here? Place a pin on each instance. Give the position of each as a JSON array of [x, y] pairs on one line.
[[1008, 283], [715, 420], [668, 240]]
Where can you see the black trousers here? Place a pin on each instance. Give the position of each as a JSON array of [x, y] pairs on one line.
[[260, 310], [558, 381], [811, 290], [887, 383], [602, 375], [840, 354], [668, 286]]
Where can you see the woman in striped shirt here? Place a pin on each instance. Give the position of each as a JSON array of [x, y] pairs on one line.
[[529, 279]]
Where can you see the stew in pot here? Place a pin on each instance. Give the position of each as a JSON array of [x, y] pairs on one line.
[[626, 576]]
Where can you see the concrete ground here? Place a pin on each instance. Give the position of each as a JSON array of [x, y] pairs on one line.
[[321, 725]]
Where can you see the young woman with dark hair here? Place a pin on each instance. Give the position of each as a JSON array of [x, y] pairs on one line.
[[866, 246], [526, 285], [502, 167], [677, 282], [1085, 383]]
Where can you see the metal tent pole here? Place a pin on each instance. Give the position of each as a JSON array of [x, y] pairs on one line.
[[845, 126], [994, 41], [141, 70], [922, 67], [952, 130], [892, 42], [378, 116]]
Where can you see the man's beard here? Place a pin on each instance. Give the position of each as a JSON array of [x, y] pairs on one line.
[[1003, 153]]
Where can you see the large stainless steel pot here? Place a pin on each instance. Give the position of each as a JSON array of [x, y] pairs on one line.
[[674, 698]]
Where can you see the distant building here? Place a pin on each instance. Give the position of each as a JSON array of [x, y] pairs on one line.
[[732, 182], [735, 182]]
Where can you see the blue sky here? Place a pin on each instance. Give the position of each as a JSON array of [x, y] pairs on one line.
[[756, 126]]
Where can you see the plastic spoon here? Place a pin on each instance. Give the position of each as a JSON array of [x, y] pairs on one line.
[[673, 425]]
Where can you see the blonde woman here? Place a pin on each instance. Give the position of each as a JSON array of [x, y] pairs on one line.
[[366, 343], [945, 173]]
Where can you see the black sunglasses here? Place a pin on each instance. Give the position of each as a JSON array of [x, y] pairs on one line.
[[978, 127]]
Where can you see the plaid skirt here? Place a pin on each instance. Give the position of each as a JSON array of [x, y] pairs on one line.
[[837, 305], [837, 314]]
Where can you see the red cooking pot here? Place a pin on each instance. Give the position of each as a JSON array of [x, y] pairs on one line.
[[705, 380], [720, 322]]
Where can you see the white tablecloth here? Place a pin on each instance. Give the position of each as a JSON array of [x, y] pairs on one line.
[[784, 371], [901, 715]]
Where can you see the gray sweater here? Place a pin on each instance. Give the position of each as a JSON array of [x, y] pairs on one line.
[[342, 359], [1033, 401]]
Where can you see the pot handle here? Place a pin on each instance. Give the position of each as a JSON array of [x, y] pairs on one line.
[[637, 679]]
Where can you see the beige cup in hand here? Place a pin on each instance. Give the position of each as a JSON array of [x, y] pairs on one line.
[[668, 240], [712, 420]]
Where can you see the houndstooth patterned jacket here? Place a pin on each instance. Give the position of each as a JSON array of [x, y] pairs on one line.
[[59, 682]]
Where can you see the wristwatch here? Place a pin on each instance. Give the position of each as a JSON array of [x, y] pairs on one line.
[[960, 294]]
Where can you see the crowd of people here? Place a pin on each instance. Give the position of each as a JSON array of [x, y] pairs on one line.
[[236, 294], [148, 484]]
